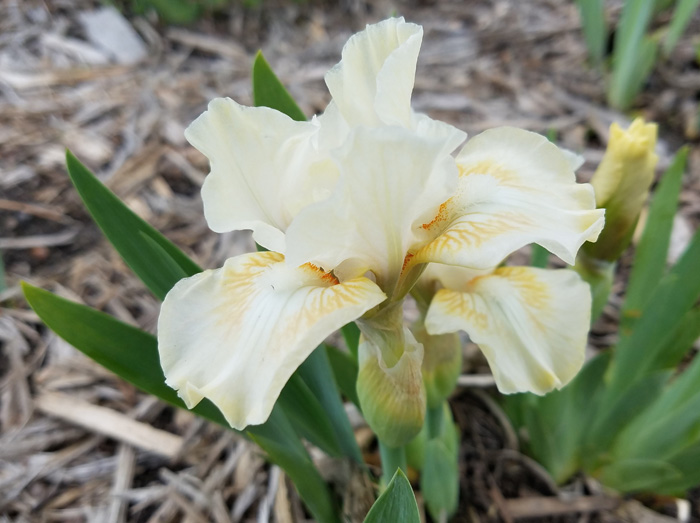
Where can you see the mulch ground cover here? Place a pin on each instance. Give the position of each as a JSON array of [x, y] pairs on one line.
[[78, 444]]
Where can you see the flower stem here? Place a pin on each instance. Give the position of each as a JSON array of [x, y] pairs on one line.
[[392, 458]]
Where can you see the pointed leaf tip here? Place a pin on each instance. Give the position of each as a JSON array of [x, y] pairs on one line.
[[268, 91], [397, 503]]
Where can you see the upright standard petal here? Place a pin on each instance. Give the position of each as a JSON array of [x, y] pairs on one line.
[[236, 334], [390, 179], [260, 167], [515, 188], [531, 324], [372, 83]]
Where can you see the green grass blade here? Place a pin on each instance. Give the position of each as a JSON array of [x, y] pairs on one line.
[[268, 91], [629, 54], [650, 256], [594, 29], [141, 246], [318, 374], [682, 14], [132, 354], [397, 503]]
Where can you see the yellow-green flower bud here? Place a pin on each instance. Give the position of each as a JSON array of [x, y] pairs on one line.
[[392, 398], [621, 185], [442, 363]]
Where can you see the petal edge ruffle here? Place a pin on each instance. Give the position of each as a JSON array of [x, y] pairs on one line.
[[235, 335]]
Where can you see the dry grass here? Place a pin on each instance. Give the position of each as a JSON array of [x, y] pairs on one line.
[[78, 444]]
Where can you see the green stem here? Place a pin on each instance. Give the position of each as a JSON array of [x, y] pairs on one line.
[[392, 458], [433, 417]]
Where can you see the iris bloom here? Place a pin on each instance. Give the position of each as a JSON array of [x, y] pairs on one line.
[[352, 206]]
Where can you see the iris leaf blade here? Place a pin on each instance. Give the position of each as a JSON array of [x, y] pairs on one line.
[[397, 503], [268, 91], [682, 14], [318, 374], [650, 257], [136, 241], [594, 28], [345, 372], [674, 296], [628, 52]]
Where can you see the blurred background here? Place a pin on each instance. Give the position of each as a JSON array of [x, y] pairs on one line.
[[117, 83]]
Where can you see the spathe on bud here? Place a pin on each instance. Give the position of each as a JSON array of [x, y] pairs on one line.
[[621, 185], [392, 398]]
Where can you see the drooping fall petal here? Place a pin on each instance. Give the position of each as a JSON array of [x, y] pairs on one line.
[[390, 178], [260, 167], [515, 188], [236, 334], [531, 324]]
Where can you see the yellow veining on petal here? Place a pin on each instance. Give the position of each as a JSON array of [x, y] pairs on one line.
[[490, 167], [534, 291], [465, 234], [461, 305], [448, 209], [322, 301], [239, 286]]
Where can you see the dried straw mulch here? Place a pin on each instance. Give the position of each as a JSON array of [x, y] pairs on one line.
[[78, 444]]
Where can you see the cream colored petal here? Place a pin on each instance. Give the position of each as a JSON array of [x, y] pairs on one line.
[[389, 179], [236, 334], [426, 127], [452, 276], [372, 83], [260, 161], [531, 324], [515, 188]]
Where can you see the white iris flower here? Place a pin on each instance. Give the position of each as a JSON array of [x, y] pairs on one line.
[[352, 206]]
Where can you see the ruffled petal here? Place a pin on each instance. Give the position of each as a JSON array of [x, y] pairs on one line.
[[531, 324], [235, 335], [372, 83], [260, 164], [515, 188], [390, 179]]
